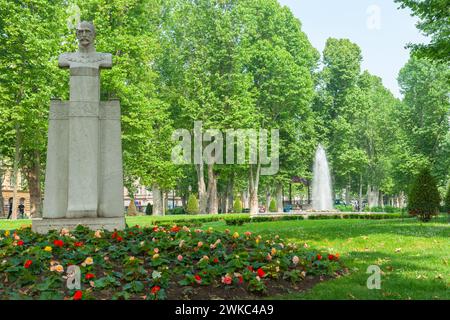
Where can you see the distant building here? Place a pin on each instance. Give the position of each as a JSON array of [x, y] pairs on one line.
[[23, 196], [143, 197]]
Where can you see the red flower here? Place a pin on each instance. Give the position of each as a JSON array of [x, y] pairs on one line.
[[216, 260], [241, 279], [78, 295], [175, 229], [250, 268], [261, 272], [119, 238], [58, 243], [198, 279], [114, 235], [131, 233], [319, 257], [332, 257], [78, 244], [20, 243], [155, 289], [155, 229], [89, 276], [27, 264]]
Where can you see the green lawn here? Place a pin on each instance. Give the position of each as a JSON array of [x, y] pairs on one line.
[[413, 256]]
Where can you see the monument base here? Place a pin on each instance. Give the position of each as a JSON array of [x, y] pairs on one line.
[[44, 225]]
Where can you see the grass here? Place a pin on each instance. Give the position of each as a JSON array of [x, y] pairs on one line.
[[413, 256]]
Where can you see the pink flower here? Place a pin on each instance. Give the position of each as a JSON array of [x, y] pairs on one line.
[[156, 250], [247, 233], [180, 257], [295, 260], [199, 244], [227, 279]]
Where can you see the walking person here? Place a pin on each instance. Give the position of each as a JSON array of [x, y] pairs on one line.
[[10, 207]]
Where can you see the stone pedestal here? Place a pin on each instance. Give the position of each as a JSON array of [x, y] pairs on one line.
[[45, 225]]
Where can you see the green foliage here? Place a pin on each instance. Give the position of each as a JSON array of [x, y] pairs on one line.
[[447, 200], [424, 198], [237, 206], [236, 221], [343, 208], [177, 210], [273, 206], [434, 22], [192, 205], [367, 216], [149, 209], [388, 209]]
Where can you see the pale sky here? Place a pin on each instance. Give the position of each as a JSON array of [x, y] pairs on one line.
[[377, 27]]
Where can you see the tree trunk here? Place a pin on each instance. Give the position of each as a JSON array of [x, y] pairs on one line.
[[230, 195], [372, 196], [202, 195], [15, 174], [254, 184], [268, 198], [347, 190], [402, 199], [381, 199], [2, 204], [213, 204], [165, 201], [360, 194], [279, 193], [157, 201], [34, 185]]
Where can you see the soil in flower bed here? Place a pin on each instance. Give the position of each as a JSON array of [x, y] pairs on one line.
[[274, 287], [157, 263]]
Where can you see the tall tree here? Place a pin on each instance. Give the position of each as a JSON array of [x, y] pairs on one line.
[[424, 118], [434, 21]]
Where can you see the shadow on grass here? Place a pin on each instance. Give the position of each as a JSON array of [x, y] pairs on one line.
[[402, 277]]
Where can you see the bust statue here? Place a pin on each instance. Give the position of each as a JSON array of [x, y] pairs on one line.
[[86, 56], [86, 37]]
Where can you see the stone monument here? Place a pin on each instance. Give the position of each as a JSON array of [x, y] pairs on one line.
[[84, 178]]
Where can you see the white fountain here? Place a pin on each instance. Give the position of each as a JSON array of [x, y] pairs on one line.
[[321, 184]]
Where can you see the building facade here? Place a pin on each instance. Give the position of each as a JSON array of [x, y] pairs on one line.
[[7, 193]]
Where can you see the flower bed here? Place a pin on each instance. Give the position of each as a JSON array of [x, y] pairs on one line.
[[156, 263]]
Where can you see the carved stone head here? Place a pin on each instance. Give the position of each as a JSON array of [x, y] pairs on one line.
[[86, 36]]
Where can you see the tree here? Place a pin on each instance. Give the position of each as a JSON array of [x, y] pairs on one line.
[[237, 206], [131, 210], [149, 209], [447, 200], [424, 200], [434, 17], [337, 101], [273, 206], [280, 60], [423, 118], [32, 34], [192, 205]]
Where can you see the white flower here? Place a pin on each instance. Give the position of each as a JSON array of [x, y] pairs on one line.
[[156, 274]]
